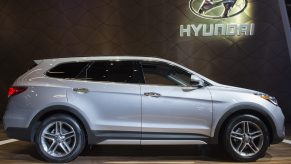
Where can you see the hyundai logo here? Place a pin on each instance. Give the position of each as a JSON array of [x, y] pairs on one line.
[[217, 9]]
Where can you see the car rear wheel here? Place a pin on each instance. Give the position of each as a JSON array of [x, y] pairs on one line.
[[245, 138], [60, 139]]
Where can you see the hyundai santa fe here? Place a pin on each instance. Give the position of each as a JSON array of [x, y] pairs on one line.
[[64, 104]]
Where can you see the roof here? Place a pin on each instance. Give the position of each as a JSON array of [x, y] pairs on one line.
[[90, 58]]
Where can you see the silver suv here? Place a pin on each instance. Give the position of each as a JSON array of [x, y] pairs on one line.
[[64, 104]]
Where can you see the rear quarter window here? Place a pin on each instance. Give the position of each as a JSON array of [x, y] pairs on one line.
[[67, 70]]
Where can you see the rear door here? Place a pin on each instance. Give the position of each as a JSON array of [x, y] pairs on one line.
[[108, 93]]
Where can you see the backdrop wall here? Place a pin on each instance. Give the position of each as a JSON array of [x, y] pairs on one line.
[[33, 29]]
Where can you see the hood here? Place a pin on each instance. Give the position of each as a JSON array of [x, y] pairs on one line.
[[236, 89]]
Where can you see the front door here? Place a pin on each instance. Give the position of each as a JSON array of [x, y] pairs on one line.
[[171, 109]]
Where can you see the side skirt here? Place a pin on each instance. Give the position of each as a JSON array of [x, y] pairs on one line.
[[147, 138], [151, 142]]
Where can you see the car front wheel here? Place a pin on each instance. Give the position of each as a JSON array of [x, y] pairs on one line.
[[245, 138], [60, 139]]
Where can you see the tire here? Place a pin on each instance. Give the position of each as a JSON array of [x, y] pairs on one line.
[[58, 146], [245, 138]]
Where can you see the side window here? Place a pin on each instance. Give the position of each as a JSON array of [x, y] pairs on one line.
[[67, 70], [113, 71], [165, 74]]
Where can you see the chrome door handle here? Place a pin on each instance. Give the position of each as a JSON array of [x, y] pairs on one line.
[[81, 90], [188, 89], [152, 94]]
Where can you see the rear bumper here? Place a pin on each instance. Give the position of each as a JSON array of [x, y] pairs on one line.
[[23, 134]]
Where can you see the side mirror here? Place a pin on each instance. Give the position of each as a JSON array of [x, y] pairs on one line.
[[196, 81]]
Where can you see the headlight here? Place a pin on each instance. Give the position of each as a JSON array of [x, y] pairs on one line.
[[271, 99]]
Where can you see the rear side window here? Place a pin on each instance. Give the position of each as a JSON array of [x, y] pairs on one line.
[[67, 70], [112, 71]]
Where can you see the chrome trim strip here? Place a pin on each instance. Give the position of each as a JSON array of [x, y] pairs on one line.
[[172, 142], [151, 142], [119, 142]]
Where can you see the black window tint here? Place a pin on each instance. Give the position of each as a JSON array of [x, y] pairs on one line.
[[165, 74], [67, 70], [113, 71]]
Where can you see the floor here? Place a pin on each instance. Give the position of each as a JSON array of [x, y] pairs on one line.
[[23, 152]]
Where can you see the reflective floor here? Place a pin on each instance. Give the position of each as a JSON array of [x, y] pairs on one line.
[[23, 152]]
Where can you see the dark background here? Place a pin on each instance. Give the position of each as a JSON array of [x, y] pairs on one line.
[[36, 29], [288, 5]]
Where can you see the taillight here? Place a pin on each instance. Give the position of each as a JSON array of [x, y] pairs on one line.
[[15, 90]]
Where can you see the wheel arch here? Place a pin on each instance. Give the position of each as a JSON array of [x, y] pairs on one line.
[[59, 109], [244, 109]]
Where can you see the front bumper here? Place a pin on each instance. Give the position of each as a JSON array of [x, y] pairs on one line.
[[279, 125], [278, 138]]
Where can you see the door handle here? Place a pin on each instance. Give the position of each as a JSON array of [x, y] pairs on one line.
[[188, 89], [152, 94], [81, 90]]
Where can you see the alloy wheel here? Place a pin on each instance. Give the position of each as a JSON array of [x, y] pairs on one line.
[[246, 138], [58, 139]]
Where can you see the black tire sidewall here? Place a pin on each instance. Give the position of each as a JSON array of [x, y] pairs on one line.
[[80, 138], [226, 138]]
